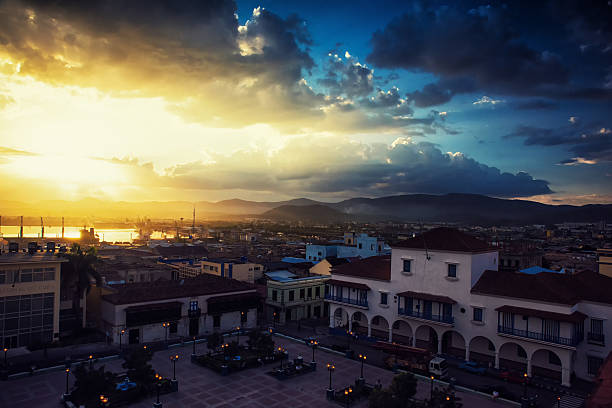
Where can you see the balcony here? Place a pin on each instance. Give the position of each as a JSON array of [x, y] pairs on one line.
[[596, 338], [564, 341], [445, 319], [347, 301]]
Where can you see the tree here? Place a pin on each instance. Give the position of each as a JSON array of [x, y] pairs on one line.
[[213, 341], [404, 387], [382, 399], [139, 369], [91, 382], [80, 271]]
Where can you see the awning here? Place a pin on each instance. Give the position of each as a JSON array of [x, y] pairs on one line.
[[575, 317], [428, 296], [346, 284]]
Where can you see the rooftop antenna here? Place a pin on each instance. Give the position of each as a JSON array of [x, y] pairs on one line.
[[193, 223], [62, 227], [21, 227], [42, 228], [424, 242]]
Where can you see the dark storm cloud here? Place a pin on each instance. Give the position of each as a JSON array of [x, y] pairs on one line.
[[489, 48], [589, 144], [346, 76], [537, 104]]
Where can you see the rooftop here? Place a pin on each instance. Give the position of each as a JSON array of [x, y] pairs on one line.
[[203, 284], [375, 267], [547, 286], [24, 257], [446, 239]]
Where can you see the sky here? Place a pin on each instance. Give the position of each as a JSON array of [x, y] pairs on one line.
[[268, 100]]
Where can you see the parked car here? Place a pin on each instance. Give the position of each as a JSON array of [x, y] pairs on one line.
[[514, 377], [472, 367]]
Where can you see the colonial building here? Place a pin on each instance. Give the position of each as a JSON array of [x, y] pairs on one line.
[[233, 269], [29, 297], [442, 290], [290, 297], [604, 261], [189, 307]]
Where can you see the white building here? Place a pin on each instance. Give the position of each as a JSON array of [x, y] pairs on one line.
[[191, 307], [442, 291]]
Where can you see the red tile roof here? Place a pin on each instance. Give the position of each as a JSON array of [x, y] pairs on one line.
[[446, 239], [203, 284], [428, 296], [575, 317], [547, 286], [347, 284], [602, 395], [374, 267]]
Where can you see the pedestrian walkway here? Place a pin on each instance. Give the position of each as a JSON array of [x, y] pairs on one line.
[[569, 401]]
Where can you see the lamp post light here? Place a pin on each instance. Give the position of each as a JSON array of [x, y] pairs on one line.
[[67, 376], [558, 401], [103, 401], [347, 395], [174, 359], [158, 378], [525, 385], [121, 333], [91, 361], [330, 368], [282, 356], [194, 342], [431, 388], [314, 344], [165, 326], [362, 357], [238, 334], [5, 357], [274, 319]]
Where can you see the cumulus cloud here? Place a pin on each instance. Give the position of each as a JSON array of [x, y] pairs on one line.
[[347, 76], [485, 100], [324, 166], [431, 38], [590, 144]]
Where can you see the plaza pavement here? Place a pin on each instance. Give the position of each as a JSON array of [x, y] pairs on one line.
[[201, 387]]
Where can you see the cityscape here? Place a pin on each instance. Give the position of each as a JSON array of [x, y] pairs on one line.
[[231, 203]]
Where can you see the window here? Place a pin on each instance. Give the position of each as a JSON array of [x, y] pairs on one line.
[[274, 295], [383, 298], [318, 292], [309, 293], [452, 270], [596, 326], [2, 277], [302, 293], [360, 245], [593, 365], [407, 265], [217, 321], [173, 327], [553, 358], [291, 295], [478, 314], [193, 305]]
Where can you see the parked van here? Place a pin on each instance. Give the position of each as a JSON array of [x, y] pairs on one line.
[[438, 367]]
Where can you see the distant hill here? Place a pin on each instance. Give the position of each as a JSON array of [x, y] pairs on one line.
[[316, 213], [461, 208]]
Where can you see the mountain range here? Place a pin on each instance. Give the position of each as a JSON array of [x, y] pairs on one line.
[[461, 208]]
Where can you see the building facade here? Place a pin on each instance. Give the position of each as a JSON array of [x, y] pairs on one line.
[[155, 311], [29, 298], [233, 269], [442, 291], [290, 298], [604, 261]]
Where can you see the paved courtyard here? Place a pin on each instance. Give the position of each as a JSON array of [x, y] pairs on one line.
[[201, 387]]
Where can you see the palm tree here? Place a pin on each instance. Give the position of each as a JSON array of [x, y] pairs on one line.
[[80, 271]]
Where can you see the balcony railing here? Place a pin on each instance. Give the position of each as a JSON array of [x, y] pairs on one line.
[[356, 302], [538, 336], [597, 338], [426, 316]]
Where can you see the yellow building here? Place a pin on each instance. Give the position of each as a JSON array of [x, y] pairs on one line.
[[29, 298], [604, 261]]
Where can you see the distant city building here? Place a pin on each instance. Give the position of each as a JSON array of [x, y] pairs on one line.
[[187, 251], [604, 261], [517, 255], [241, 270], [132, 269], [442, 290], [361, 245], [325, 266], [290, 297], [29, 298], [191, 307]]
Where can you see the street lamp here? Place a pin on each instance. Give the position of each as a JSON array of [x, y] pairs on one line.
[[158, 378], [121, 333], [103, 401], [525, 385], [558, 402], [362, 357], [347, 395], [282, 356], [67, 375], [431, 388], [274, 319], [165, 326], [5, 360], [174, 359], [314, 344], [238, 331], [91, 361], [330, 368], [194, 341]]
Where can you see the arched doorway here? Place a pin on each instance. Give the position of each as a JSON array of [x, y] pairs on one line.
[[453, 344], [513, 356], [482, 350], [359, 323], [427, 338], [379, 328], [402, 332], [546, 363]]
